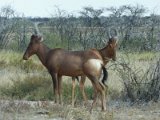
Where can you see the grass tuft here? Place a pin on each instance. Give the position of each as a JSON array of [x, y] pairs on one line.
[[39, 87]]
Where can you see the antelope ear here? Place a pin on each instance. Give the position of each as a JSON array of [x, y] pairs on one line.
[[111, 45], [116, 38], [40, 39]]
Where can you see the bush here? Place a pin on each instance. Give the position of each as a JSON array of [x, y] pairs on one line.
[[39, 87], [28, 88], [140, 85]]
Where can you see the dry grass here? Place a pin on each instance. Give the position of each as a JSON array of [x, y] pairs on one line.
[[27, 75], [46, 110], [14, 69], [49, 110]]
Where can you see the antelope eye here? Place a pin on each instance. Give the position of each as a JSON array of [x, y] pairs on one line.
[[31, 43]]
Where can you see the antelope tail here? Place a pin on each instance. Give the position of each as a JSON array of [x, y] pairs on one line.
[[77, 78], [105, 75]]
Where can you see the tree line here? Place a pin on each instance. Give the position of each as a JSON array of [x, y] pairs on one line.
[[135, 29]]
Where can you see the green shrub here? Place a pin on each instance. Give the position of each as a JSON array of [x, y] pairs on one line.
[[27, 88], [31, 65], [39, 87]]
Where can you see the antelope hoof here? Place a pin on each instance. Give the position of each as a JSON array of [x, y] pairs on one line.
[[72, 104], [104, 109], [90, 111]]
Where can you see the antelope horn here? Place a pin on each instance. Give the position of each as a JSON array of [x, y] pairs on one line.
[[37, 32], [109, 34], [104, 41], [116, 33], [36, 28]]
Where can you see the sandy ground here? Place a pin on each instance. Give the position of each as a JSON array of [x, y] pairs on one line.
[[46, 110]]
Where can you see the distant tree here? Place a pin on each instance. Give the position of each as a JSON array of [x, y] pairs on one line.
[[126, 19], [153, 26], [91, 16], [64, 25], [21, 29], [6, 24], [115, 19]]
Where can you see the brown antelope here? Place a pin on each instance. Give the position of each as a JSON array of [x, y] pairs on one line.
[[61, 62], [107, 55]]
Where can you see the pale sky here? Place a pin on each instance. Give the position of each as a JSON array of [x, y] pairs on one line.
[[44, 8]]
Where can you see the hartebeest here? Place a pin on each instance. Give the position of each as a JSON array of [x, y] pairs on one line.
[[61, 62], [108, 53]]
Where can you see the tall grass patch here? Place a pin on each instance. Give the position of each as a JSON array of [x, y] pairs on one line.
[[11, 58], [28, 88], [39, 87]]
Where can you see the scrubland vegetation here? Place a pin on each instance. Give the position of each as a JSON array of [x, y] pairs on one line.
[[134, 79], [29, 80]]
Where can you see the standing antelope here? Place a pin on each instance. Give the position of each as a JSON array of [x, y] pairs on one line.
[[61, 62], [107, 56]]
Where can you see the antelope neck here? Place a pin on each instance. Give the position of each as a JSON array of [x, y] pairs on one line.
[[42, 53], [104, 54]]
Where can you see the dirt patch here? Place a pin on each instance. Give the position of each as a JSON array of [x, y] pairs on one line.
[[46, 110], [150, 111]]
